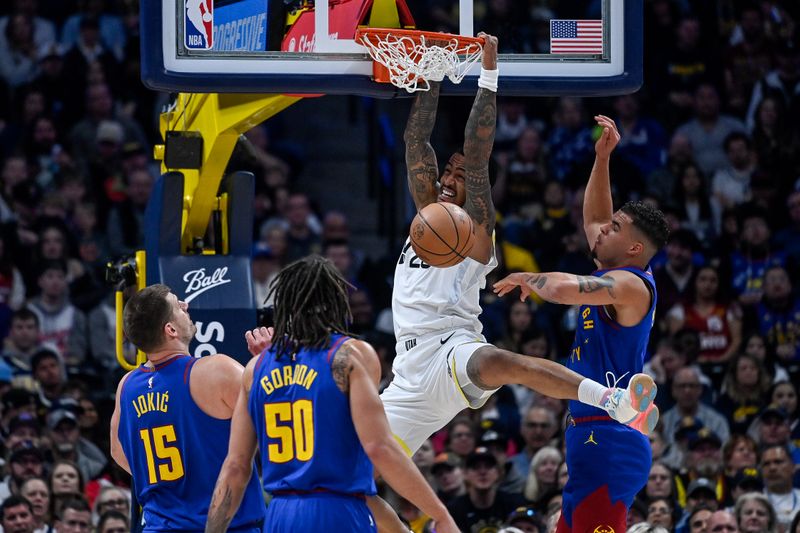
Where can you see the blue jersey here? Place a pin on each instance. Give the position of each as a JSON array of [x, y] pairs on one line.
[[305, 431], [176, 451], [603, 345]]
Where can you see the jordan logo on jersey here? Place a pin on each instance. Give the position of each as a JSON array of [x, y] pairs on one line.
[[591, 440]]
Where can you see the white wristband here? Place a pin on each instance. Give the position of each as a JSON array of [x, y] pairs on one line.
[[488, 79]]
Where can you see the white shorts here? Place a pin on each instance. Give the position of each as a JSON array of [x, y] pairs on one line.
[[431, 385]]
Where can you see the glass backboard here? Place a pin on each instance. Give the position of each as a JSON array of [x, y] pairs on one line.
[[578, 47]]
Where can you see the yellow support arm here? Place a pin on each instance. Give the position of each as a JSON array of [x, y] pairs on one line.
[[220, 119]]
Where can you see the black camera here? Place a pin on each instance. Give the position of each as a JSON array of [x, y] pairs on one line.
[[121, 272]]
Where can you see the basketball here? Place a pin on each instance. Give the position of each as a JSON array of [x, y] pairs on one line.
[[442, 234]]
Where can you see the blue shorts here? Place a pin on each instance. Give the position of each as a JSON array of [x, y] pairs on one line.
[[608, 464], [318, 512]]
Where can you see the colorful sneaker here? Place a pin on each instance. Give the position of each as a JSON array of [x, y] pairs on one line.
[[646, 421], [624, 405]]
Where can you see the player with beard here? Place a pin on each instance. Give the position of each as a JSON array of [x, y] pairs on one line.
[[173, 417]]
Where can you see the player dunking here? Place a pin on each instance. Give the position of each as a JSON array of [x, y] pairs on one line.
[[443, 363], [171, 421], [310, 401], [608, 463]]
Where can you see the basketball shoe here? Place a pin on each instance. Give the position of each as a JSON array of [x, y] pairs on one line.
[[633, 406]]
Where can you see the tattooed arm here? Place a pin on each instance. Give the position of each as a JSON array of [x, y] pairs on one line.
[[618, 288], [423, 172], [238, 465], [478, 142], [362, 371]]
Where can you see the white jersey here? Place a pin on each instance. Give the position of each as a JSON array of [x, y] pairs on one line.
[[426, 299]]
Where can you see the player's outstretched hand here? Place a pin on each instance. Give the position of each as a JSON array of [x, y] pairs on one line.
[[258, 340], [608, 139], [489, 56], [511, 282]]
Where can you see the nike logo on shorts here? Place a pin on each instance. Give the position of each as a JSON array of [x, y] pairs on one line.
[[444, 341]]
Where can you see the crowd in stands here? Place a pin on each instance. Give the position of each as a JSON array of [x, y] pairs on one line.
[[712, 139]]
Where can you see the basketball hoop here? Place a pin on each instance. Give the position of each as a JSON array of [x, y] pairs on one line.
[[410, 59]]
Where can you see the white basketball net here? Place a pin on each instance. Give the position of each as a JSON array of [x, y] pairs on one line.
[[412, 65]]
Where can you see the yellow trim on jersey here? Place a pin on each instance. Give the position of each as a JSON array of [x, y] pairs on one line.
[[403, 445], [455, 378]]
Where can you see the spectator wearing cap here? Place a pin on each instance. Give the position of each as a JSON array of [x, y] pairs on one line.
[[15, 402], [739, 453], [779, 315], [48, 371], [23, 427], [543, 474], [774, 430], [687, 390], [68, 443], [62, 323], [265, 267], [538, 429], [448, 473], [703, 459], [754, 514], [526, 519], [746, 480], [700, 494], [483, 506], [16, 515], [512, 480], [24, 462], [777, 469], [744, 389]]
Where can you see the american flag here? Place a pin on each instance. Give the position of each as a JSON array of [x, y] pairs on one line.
[[576, 36]]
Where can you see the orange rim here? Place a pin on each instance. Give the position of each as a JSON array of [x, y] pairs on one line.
[[380, 73]]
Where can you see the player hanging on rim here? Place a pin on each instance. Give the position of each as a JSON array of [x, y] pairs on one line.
[[608, 463], [443, 363], [310, 402]]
